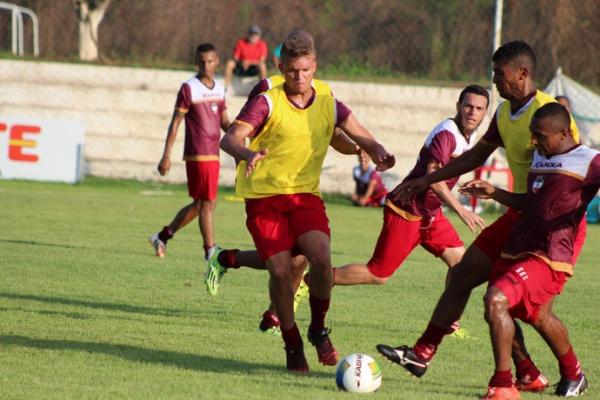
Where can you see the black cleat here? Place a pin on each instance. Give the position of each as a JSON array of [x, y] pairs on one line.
[[406, 357], [567, 388]]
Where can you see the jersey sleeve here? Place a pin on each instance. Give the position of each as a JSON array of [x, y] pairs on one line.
[[254, 113], [593, 175], [259, 88], [492, 135], [341, 111], [441, 147], [184, 99]]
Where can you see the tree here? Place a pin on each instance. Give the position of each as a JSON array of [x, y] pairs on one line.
[[90, 14]]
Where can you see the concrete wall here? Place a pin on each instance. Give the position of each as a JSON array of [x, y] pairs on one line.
[[126, 112]]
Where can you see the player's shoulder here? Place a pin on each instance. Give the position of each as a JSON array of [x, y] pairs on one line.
[[542, 98], [447, 126]]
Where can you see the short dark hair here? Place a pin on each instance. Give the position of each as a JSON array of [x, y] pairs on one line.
[[517, 52], [474, 89], [298, 43], [561, 119], [205, 48]]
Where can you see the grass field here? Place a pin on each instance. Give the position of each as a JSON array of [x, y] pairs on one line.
[[87, 311]]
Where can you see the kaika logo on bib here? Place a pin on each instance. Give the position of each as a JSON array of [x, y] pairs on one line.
[[537, 184]]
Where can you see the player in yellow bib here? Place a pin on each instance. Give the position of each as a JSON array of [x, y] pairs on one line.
[[514, 69], [290, 127]]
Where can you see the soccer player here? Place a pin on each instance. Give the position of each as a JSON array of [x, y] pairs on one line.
[[225, 259], [407, 224], [514, 68], [279, 177], [201, 102], [537, 259]]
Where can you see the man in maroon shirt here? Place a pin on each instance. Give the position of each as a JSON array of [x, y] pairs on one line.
[[538, 257], [249, 57], [201, 103]]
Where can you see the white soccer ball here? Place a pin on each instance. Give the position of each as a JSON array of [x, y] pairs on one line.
[[358, 373]]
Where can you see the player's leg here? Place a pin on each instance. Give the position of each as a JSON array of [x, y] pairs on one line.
[[315, 246], [205, 222], [397, 239], [282, 298], [502, 330], [186, 214], [470, 272], [573, 382]]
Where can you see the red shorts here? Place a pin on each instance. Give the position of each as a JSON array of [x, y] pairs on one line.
[[493, 238], [399, 237], [202, 179], [276, 222], [528, 283]]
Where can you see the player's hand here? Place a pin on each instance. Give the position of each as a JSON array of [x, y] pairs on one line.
[[254, 158], [472, 220], [405, 191], [164, 166], [478, 188], [382, 159]]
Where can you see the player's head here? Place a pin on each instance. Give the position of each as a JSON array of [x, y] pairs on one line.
[[514, 66], [550, 129], [254, 33], [207, 59], [564, 101], [298, 61], [364, 159], [472, 104]]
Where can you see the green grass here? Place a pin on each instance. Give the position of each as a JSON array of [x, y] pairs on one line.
[[86, 310]]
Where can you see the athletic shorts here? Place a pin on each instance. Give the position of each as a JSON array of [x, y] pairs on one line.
[[202, 179], [528, 284], [493, 238], [399, 237], [253, 70], [276, 222]]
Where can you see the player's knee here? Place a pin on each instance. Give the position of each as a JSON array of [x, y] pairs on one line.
[[279, 272], [495, 303], [208, 205]]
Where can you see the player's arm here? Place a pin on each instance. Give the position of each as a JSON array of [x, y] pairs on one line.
[[165, 162], [342, 143], [484, 190], [466, 162], [225, 123], [234, 144], [361, 135], [472, 220]]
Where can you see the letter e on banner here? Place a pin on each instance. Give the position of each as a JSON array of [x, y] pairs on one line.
[[17, 142]]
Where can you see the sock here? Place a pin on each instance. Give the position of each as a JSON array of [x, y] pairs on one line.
[[428, 343], [318, 310], [501, 379], [526, 368], [165, 234], [291, 337], [227, 258], [569, 365], [207, 248]]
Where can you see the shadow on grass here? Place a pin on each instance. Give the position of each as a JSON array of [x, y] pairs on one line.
[[196, 362], [100, 305], [35, 243]]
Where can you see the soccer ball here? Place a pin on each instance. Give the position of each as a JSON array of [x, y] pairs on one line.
[[358, 373]]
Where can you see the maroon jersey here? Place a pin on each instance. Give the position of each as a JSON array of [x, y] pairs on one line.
[[444, 143], [203, 107], [559, 189]]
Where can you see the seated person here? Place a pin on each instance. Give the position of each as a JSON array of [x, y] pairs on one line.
[[249, 57], [370, 190]]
